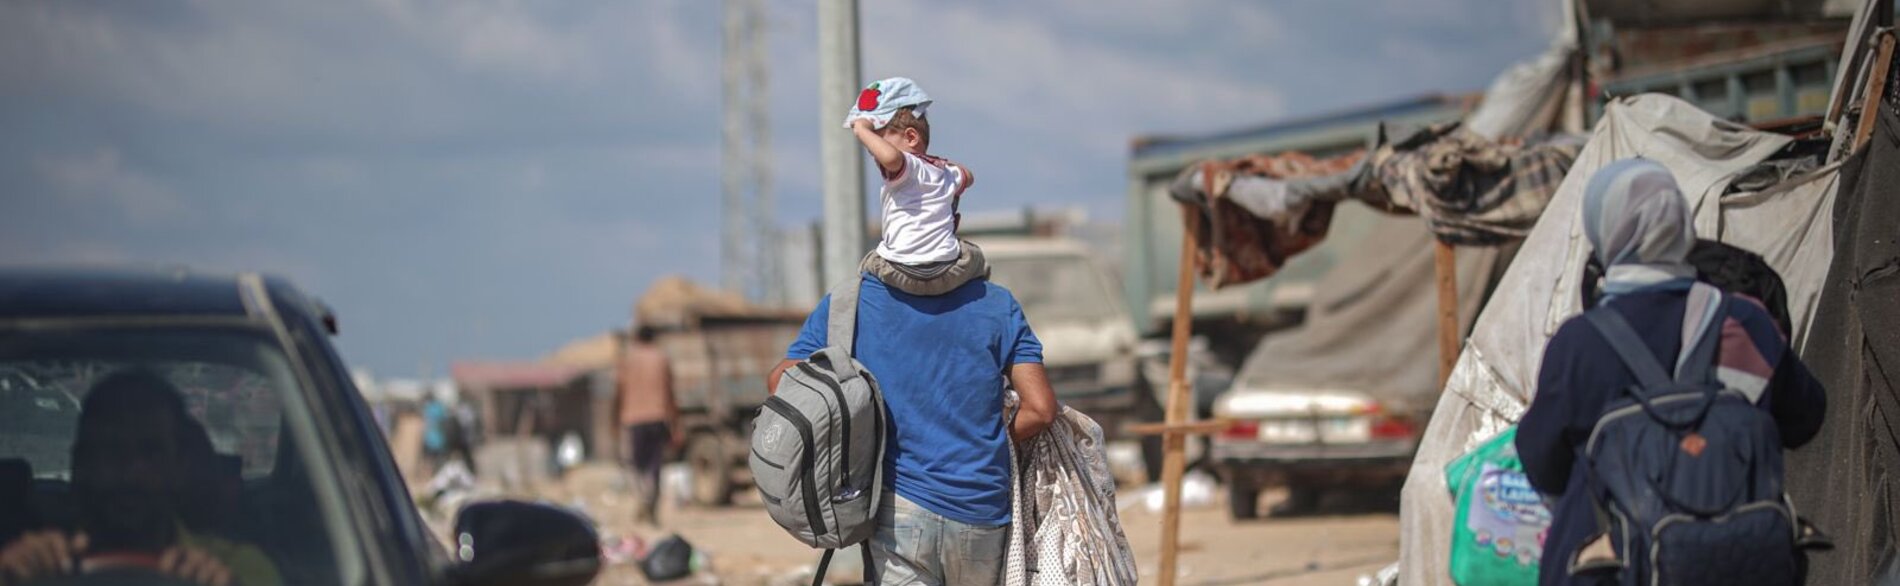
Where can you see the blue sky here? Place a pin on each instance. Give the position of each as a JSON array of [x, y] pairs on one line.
[[491, 178]]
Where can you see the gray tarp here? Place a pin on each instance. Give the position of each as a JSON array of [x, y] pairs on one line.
[[1848, 479], [1373, 323], [1497, 372]]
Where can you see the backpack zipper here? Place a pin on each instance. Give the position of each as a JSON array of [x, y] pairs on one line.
[[803, 426], [844, 419]]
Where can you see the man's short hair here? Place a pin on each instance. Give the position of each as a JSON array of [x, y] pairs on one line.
[[645, 334], [907, 118]]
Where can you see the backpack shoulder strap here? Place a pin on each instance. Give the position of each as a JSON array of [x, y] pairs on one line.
[[842, 323], [1702, 320], [1628, 346]]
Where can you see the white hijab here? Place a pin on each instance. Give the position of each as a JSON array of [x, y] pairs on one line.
[[1639, 224]]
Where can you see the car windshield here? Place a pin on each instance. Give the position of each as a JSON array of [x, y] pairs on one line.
[[149, 438], [1063, 287]]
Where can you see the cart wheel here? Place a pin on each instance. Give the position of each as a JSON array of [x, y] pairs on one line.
[[712, 470]]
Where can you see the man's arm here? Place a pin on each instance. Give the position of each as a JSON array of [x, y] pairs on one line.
[[771, 381], [1038, 407], [888, 158]]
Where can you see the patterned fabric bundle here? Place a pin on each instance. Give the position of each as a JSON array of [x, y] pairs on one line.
[[1240, 241], [1066, 531], [1471, 189]]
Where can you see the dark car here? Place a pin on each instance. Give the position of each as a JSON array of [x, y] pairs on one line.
[[294, 485]]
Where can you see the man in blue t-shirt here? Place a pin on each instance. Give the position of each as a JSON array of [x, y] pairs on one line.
[[941, 361]]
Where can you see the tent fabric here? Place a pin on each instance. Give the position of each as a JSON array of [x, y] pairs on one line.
[[1473, 190], [1372, 318], [1848, 480], [1238, 246], [1495, 376], [1525, 98]]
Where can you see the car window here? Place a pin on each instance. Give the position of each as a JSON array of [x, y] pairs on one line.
[[152, 437], [238, 408]]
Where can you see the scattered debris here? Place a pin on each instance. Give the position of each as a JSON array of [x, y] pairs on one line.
[[1387, 576], [1197, 490]]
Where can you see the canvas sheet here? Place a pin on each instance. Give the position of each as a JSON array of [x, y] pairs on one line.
[[1787, 224], [1373, 323]]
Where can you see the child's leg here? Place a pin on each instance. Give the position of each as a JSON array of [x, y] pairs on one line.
[[933, 279]]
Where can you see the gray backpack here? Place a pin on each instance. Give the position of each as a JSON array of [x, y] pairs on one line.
[[818, 444]]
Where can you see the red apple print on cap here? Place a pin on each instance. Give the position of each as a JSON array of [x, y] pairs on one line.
[[867, 101]]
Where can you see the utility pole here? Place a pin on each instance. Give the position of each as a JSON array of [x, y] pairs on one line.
[[843, 176], [735, 264], [767, 239], [749, 238]]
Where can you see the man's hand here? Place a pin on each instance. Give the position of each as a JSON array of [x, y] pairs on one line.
[[771, 380], [889, 160], [40, 554], [677, 435], [195, 566], [1038, 408]]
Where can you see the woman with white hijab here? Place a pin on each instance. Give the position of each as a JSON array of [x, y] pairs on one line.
[[1640, 226]]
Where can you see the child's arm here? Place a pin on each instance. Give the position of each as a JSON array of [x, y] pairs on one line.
[[969, 179], [889, 159]]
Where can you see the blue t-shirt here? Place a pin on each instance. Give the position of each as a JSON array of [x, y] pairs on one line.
[[940, 361]]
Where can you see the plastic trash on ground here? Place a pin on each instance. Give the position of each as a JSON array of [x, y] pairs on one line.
[[1387, 576], [676, 481], [1197, 490]]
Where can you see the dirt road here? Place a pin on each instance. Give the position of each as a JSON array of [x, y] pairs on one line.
[[745, 548]]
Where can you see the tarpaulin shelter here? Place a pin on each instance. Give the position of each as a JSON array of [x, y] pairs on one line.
[[1496, 373], [1369, 319], [1487, 179], [1848, 479]]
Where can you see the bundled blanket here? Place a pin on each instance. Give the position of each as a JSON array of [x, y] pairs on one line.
[[1066, 530]]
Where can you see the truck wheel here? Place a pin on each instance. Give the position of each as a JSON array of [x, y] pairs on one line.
[[1301, 499], [1243, 500], [1150, 411], [712, 470]]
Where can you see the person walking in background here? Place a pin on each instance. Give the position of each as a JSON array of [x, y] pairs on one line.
[[649, 416], [1639, 224]]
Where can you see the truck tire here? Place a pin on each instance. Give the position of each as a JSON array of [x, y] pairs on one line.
[[712, 470], [1301, 499], [1243, 500], [1149, 410]]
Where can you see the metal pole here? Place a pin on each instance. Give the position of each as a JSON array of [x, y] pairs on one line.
[[734, 242], [843, 175]]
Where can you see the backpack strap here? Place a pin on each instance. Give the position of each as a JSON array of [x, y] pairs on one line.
[[824, 565], [842, 325], [1628, 346]]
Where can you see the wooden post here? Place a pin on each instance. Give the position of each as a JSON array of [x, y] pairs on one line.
[[1174, 442], [1445, 264], [1876, 85]]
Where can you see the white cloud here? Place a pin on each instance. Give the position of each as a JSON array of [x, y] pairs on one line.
[[1026, 73]]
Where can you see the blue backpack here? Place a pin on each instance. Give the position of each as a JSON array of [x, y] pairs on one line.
[[1687, 471]]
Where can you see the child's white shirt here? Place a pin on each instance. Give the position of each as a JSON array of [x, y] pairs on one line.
[[920, 211]]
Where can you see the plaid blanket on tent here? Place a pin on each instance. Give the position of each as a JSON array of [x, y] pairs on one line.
[[1472, 190]]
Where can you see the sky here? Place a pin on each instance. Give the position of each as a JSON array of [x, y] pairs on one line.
[[488, 179]]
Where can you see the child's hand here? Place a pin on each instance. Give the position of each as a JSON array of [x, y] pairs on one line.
[[862, 124]]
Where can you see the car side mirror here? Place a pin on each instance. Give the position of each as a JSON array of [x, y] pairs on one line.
[[513, 542]]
